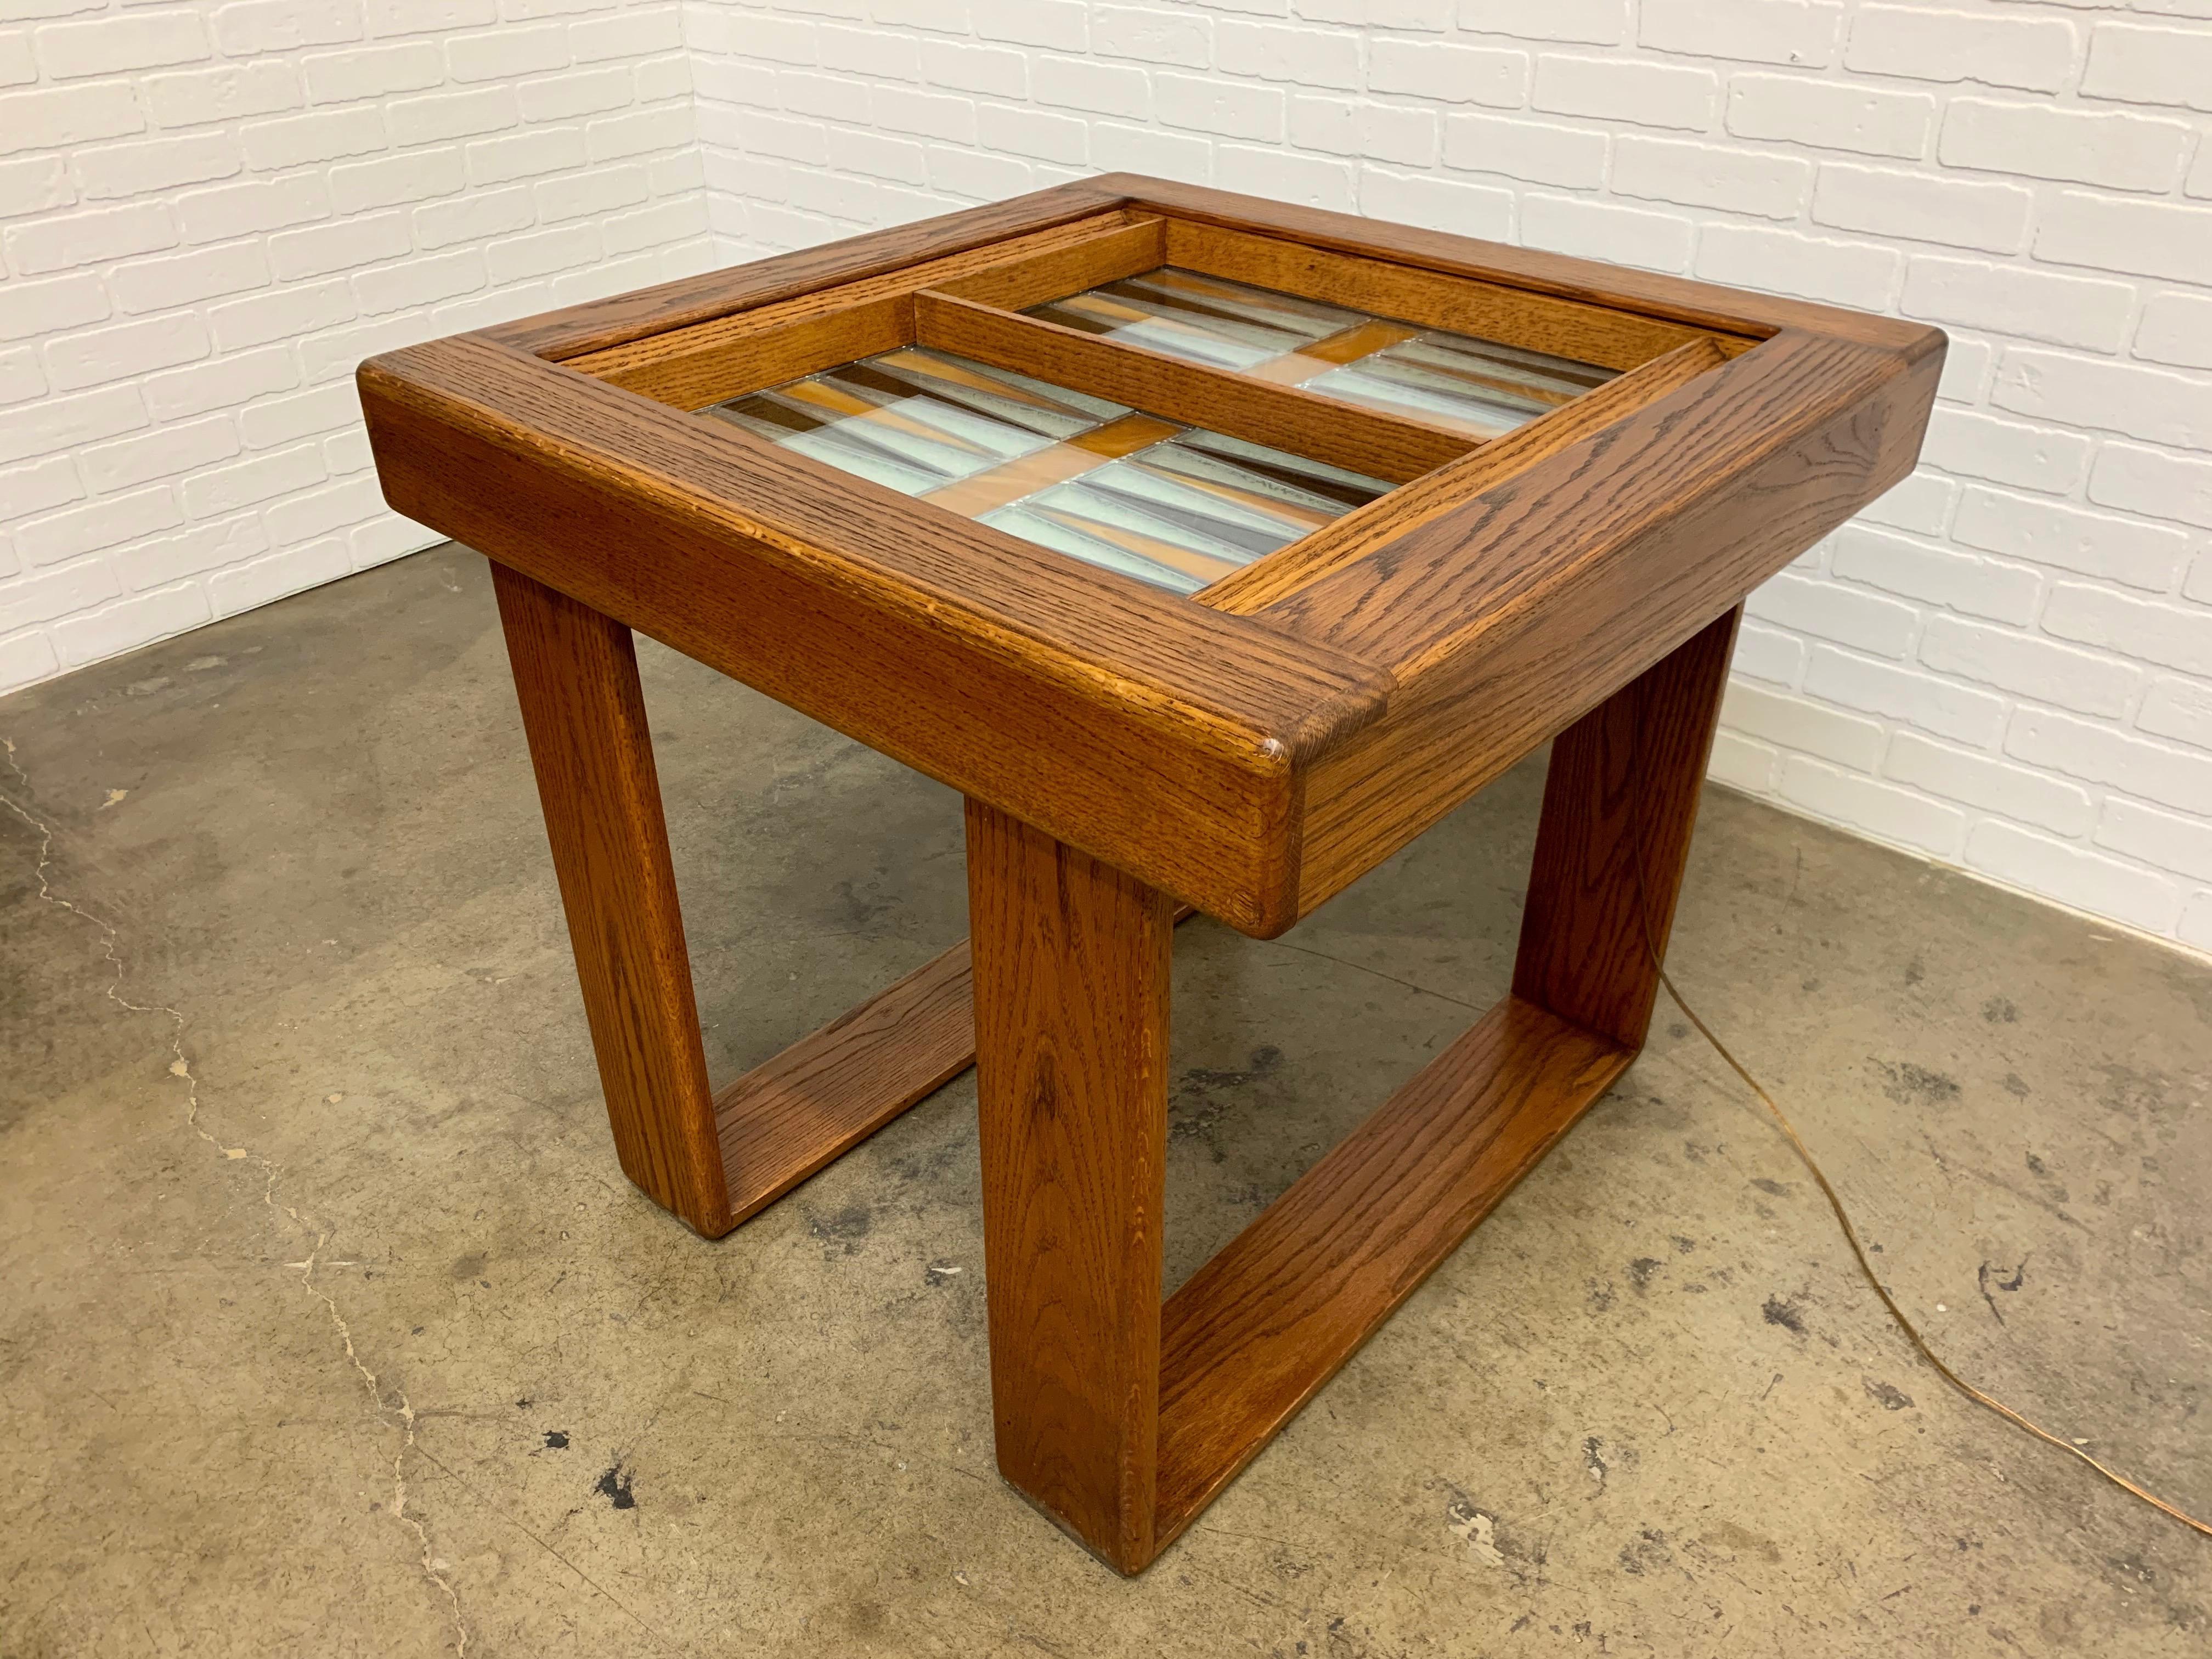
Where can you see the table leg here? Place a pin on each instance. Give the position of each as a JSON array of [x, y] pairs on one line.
[[1120, 1419], [1619, 802], [1071, 976], [713, 1159], [575, 675], [1258, 1330]]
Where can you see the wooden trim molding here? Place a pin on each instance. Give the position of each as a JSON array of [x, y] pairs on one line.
[[1537, 322], [703, 362]]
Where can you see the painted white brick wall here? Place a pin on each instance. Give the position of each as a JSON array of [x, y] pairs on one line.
[[2007, 664], [211, 210]]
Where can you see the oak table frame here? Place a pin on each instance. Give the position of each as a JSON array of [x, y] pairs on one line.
[[1128, 754]]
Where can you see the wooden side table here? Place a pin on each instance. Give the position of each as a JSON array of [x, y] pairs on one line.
[[1214, 549]]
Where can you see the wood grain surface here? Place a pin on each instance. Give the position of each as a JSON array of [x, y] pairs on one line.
[[780, 351], [1369, 529], [1027, 279], [822, 1097], [1373, 679], [575, 676], [1255, 1332], [1770, 451], [1622, 288], [798, 1112], [1536, 322], [1506, 619], [1621, 801], [1082, 701], [689, 367], [1367, 440], [602, 325], [1072, 971]]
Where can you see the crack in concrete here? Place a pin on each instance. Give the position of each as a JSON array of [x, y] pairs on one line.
[[461, 1481], [181, 1067], [432, 1568]]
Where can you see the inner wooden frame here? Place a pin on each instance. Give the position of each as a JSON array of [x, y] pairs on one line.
[[971, 306], [1578, 579]]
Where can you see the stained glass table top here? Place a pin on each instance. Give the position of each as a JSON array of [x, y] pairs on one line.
[[1454, 380], [1173, 505], [1170, 503]]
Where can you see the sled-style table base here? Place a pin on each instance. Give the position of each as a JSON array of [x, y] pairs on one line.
[[1213, 551], [1120, 1417]]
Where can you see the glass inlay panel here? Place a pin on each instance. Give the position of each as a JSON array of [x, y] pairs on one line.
[[1175, 505], [1477, 387]]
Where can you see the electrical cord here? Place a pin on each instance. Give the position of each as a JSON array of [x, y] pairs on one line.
[[1866, 1266]]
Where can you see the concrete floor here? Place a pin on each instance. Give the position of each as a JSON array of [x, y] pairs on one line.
[[330, 1327]]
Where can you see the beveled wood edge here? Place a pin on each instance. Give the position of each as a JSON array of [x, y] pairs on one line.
[[1472, 609], [999, 583], [599, 325], [1377, 662], [1367, 529], [1148, 705], [1524, 533], [1517, 1068], [1471, 688], [1286, 418], [1276, 697]]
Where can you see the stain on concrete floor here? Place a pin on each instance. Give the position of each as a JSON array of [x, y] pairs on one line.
[[331, 1327]]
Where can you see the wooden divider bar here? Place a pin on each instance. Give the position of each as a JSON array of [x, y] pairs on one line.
[[1015, 284], [805, 345], [785, 343], [1386, 446]]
